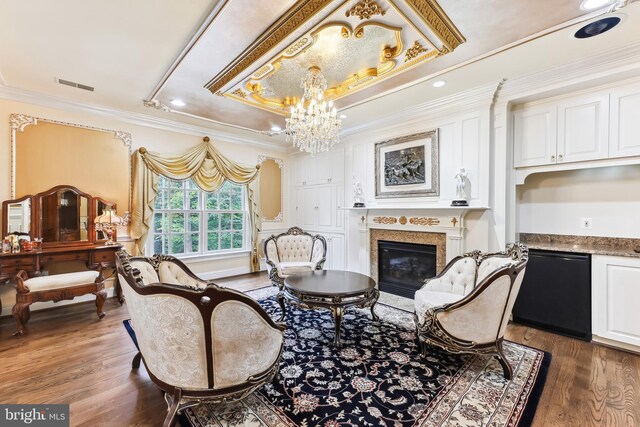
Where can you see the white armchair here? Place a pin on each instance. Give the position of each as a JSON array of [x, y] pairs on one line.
[[198, 341], [293, 252], [466, 308]]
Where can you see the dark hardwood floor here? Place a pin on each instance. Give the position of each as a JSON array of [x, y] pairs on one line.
[[69, 356]]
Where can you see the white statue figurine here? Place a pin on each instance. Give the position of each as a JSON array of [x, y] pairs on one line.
[[461, 192], [358, 194]]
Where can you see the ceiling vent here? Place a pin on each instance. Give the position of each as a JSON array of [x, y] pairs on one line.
[[76, 85], [598, 27]]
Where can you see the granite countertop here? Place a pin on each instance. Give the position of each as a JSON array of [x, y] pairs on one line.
[[613, 246]]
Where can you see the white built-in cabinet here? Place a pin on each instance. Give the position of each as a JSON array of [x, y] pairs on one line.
[[592, 126], [615, 296], [624, 136], [319, 200]]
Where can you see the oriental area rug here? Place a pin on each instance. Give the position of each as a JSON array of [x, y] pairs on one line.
[[378, 378]]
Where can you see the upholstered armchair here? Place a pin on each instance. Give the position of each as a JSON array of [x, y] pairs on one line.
[[198, 341], [466, 308], [293, 252]]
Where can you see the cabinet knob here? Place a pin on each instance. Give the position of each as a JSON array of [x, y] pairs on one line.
[[560, 157], [553, 158]]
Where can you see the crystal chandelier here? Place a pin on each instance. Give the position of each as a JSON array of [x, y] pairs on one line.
[[315, 128]]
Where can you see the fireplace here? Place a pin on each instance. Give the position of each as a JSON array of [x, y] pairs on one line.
[[403, 267]]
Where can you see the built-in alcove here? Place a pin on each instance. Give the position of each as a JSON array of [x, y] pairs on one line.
[[559, 202]]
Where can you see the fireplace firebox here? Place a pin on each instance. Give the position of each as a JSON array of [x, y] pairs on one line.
[[403, 267]]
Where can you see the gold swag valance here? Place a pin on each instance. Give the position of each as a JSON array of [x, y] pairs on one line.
[[204, 164]]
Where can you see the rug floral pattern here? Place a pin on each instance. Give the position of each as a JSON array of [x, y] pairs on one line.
[[377, 378]]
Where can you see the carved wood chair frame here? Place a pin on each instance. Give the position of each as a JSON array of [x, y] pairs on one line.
[[430, 330], [206, 300], [275, 278]]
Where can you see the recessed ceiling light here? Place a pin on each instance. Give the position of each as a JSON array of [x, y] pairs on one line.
[[595, 4], [343, 116], [439, 83], [276, 128], [598, 27], [178, 103]]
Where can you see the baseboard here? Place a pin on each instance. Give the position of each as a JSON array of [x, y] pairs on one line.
[[6, 311], [219, 274], [615, 344]]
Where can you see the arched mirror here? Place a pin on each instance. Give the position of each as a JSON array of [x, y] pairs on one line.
[[270, 189]]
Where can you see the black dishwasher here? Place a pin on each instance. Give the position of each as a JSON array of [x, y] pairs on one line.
[[556, 293]]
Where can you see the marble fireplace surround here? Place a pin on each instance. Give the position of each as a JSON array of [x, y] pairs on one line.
[[439, 240]]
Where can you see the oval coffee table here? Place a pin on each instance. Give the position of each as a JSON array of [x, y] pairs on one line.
[[332, 289]]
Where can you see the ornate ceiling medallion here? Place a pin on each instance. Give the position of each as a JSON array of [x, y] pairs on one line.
[[367, 47], [365, 9]]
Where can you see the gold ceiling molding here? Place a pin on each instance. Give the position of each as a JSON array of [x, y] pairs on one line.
[[421, 32], [431, 13], [296, 16], [414, 51], [365, 9], [386, 63]]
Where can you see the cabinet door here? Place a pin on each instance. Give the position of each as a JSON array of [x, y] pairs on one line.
[[321, 166], [624, 137], [325, 206], [534, 134], [301, 166], [338, 213], [583, 128], [299, 207], [616, 292], [309, 208], [336, 252]]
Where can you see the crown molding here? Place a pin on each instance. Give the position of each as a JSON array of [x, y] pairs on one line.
[[31, 97], [604, 67], [459, 103]]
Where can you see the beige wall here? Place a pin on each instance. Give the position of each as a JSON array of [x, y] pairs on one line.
[[153, 139]]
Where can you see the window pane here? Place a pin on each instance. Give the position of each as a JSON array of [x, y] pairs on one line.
[[194, 222], [175, 184], [158, 241], [176, 199], [212, 201], [177, 244], [237, 240], [225, 240], [212, 242], [177, 222], [237, 221], [225, 221], [224, 196], [213, 222], [162, 182], [194, 199], [160, 223], [161, 200], [236, 199], [190, 184], [194, 245]]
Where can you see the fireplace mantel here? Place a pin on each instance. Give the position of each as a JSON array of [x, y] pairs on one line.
[[445, 220]]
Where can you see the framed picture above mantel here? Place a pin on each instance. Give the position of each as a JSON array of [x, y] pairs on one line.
[[408, 166]]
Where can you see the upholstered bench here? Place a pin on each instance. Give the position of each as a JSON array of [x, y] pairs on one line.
[[56, 288]]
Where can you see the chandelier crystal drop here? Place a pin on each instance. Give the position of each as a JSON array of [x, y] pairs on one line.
[[313, 125]]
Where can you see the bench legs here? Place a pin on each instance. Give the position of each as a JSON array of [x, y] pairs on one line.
[[21, 313], [101, 296]]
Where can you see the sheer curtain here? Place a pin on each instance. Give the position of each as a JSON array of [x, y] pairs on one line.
[[207, 167]]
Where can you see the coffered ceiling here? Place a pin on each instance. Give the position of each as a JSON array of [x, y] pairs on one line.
[[238, 63]]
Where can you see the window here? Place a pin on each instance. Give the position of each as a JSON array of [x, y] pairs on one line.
[[189, 221]]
